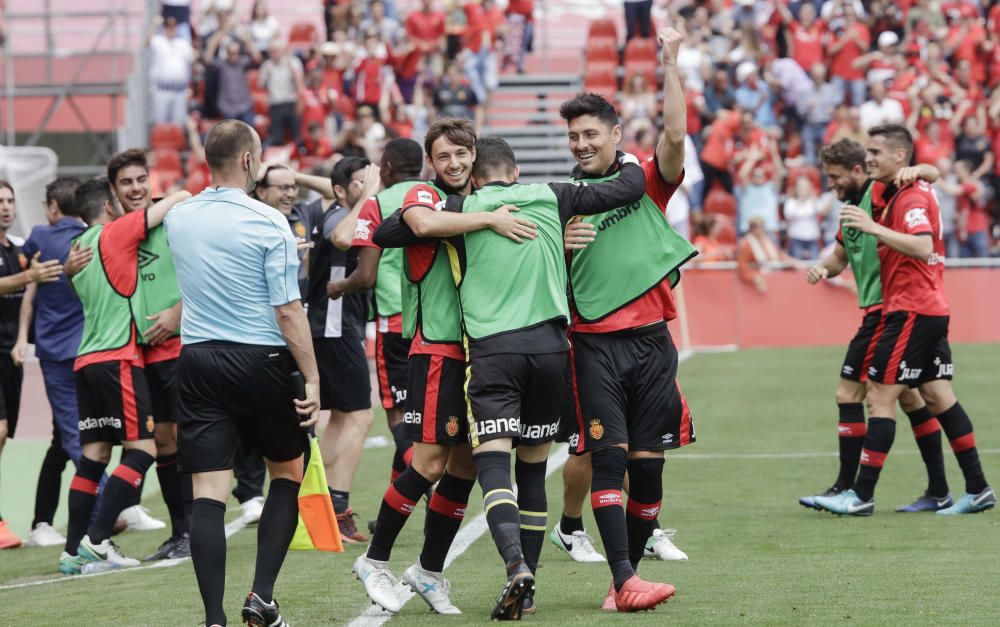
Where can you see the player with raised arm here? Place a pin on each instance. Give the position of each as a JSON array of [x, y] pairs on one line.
[[913, 349], [629, 406], [844, 165], [515, 318]]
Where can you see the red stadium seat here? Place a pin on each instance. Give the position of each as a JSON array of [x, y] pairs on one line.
[[726, 233], [603, 82], [603, 29], [303, 35], [260, 106], [196, 181], [720, 202], [167, 136], [640, 55], [253, 77], [600, 67], [602, 51], [167, 160]]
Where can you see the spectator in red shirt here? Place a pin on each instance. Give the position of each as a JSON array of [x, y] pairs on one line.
[[405, 62], [426, 30], [480, 58], [973, 221], [804, 37], [315, 142], [367, 85], [968, 41], [931, 146], [846, 45]]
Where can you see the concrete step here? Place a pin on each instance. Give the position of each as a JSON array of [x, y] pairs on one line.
[[550, 132], [525, 117]]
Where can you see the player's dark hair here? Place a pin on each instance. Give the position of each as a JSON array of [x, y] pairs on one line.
[[63, 192], [896, 134], [589, 104], [226, 141], [345, 169], [5, 185], [403, 157], [125, 158], [459, 131], [89, 199], [846, 153], [494, 157]]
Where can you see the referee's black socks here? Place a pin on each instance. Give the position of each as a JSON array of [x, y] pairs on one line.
[[533, 507], [606, 500], [645, 482], [82, 496], [170, 478], [927, 432], [398, 502], [208, 554], [278, 521], [500, 505], [444, 516], [121, 489]]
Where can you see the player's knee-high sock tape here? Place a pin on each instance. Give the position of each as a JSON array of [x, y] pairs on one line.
[[277, 525], [82, 496], [121, 490], [958, 427], [534, 509], [881, 433], [398, 503], [500, 506], [444, 517], [927, 432], [644, 498], [606, 501], [170, 487], [851, 430], [208, 554]]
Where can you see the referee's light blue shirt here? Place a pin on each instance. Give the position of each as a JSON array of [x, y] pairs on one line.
[[236, 260]]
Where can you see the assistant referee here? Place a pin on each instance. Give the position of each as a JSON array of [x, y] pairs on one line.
[[244, 333]]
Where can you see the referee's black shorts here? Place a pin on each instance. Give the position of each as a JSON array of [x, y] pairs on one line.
[[236, 392]]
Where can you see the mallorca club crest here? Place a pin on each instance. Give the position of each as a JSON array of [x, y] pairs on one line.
[[596, 430], [452, 427]]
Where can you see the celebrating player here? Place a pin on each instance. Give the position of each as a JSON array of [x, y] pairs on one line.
[[844, 165], [435, 403], [629, 406], [913, 349], [112, 393]]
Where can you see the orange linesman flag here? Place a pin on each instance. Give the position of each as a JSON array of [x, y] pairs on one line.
[[317, 528]]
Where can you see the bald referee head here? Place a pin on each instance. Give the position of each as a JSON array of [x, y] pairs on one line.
[[232, 150]]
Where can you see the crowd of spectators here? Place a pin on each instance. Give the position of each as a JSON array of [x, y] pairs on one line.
[[374, 74], [769, 82]]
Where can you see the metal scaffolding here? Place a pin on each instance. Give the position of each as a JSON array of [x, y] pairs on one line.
[[87, 50]]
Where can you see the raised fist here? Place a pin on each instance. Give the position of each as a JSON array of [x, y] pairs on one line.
[[670, 40]]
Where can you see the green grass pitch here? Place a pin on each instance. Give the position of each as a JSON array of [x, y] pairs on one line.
[[766, 431]]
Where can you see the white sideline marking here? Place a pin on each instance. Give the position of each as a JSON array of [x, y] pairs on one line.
[[374, 616], [467, 535], [231, 529]]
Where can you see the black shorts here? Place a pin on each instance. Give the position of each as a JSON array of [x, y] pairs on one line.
[[627, 393], [516, 396], [11, 377], [392, 354], [162, 379], [912, 350], [862, 347], [435, 403], [114, 403], [344, 384], [236, 392]]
